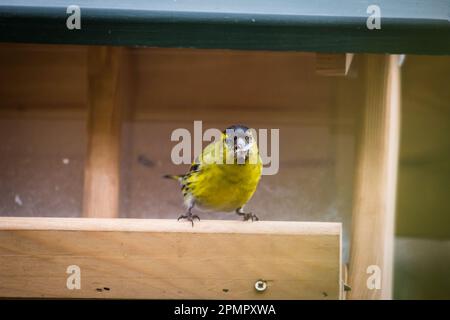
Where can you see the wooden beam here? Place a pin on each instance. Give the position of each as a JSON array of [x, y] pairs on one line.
[[418, 28], [136, 258], [101, 183], [376, 179], [333, 64]]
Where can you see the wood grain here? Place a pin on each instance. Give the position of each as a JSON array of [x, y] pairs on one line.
[[101, 182], [169, 259], [376, 179]]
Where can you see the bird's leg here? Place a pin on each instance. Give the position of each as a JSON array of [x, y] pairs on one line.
[[189, 216], [246, 215]]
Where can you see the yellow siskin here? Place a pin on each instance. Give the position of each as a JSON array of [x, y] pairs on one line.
[[224, 177]]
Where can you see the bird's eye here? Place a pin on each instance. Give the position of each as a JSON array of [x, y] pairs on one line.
[[247, 139]]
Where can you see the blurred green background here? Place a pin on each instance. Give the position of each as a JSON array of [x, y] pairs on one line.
[[422, 249]]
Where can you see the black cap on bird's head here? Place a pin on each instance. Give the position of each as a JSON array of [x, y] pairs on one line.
[[236, 127]]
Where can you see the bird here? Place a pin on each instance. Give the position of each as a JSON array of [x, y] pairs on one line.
[[224, 176]]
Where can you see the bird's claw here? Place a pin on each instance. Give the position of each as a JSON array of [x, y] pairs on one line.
[[189, 217], [252, 216]]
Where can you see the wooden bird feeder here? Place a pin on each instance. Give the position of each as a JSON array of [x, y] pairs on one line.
[[265, 66]]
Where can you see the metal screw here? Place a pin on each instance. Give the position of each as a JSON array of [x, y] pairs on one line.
[[260, 285]]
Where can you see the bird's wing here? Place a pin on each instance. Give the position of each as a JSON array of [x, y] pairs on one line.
[[212, 153], [209, 155]]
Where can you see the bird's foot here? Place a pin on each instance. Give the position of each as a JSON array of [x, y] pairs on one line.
[[249, 216], [189, 217]]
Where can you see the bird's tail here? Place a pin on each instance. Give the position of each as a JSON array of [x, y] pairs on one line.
[[173, 177]]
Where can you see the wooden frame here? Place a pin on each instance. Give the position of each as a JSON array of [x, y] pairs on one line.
[[311, 251]]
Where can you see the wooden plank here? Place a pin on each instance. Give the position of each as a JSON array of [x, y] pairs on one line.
[[155, 259], [53, 85], [43, 81], [101, 186], [333, 64], [376, 179]]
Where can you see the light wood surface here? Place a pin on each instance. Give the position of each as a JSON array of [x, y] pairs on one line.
[[101, 180], [376, 179], [169, 259]]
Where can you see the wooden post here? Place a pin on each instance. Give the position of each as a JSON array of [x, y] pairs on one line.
[[375, 180], [101, 180]]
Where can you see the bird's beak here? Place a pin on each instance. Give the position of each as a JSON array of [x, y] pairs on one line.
[[240, 144], [241, 150]]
